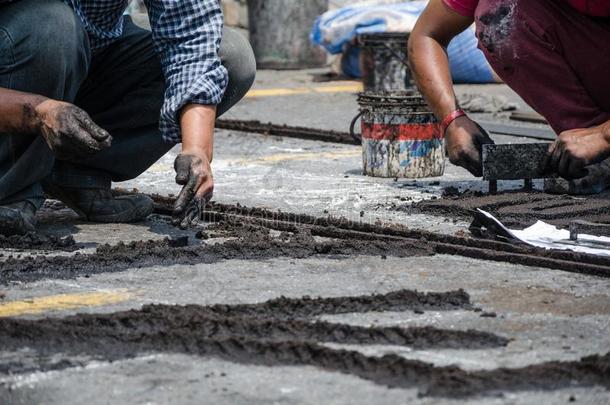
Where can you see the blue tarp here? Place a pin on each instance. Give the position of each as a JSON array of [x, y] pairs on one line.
[[335, 30]]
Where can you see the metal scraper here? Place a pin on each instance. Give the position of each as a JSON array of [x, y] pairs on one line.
[[517, 161]]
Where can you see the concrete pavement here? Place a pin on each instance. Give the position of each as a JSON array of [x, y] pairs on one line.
[[547, 314]]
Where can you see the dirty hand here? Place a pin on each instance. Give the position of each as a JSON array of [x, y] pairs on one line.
[[193, 171], [576, 149], [465, 139], [69, 131]]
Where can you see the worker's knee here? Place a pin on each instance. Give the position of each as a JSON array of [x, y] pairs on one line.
[[58, 43], [44, 48], [238, 58]]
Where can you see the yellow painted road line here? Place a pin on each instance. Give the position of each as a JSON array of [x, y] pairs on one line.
[[282, 157], [276, 92], [62, 302], [346, 88], [351, 88]]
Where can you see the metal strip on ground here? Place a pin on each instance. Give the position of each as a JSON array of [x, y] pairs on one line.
[[313, 134]]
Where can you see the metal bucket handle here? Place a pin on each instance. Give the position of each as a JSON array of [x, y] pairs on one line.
[[352, 127]]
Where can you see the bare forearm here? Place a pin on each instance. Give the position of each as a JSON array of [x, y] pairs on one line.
[[18, 111], [431, 72], [435, 28], [193, 169], [197, 125]]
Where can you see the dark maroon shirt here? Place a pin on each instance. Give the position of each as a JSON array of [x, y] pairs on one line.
[[597, 8]]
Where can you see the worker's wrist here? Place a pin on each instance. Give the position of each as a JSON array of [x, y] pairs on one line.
[[197, 126], [606, 132], [34, 108], [450, 118], [198, 150]]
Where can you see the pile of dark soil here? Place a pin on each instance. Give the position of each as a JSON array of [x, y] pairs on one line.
[[286, 331], [255, 334], [249, 237], [307, 307], [252, 245], [519, 209], [38, 241]]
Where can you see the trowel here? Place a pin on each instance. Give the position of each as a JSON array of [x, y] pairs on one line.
[[516, 161]]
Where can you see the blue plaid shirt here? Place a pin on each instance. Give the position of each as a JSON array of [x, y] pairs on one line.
[[186, 34]]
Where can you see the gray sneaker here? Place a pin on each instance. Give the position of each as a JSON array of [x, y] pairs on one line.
[[17, 218], [596, 182]]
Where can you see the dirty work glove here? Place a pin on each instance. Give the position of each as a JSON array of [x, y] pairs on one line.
[[465, 139], [193, 171], [69, 131], [576, 149]]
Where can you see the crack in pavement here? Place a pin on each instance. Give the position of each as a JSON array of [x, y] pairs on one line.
[[253, 244]]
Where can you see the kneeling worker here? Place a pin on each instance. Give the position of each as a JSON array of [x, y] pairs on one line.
[[87, 98], [554, 53]]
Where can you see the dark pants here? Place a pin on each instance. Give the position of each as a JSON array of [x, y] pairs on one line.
[[554, 57], [44, 50]]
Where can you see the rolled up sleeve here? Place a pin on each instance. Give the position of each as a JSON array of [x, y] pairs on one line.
[[187, 36]]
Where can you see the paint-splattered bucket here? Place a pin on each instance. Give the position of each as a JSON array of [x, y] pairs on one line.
[[383, 61], [400, 136]]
